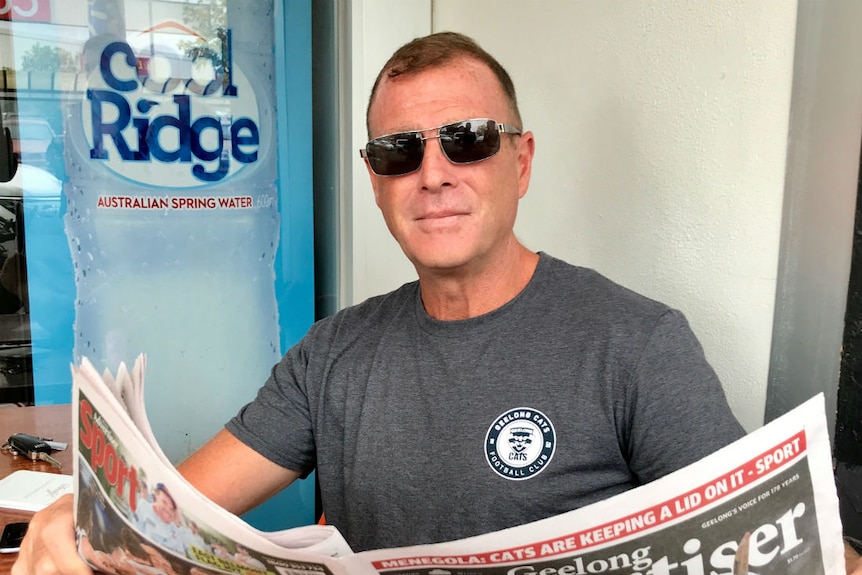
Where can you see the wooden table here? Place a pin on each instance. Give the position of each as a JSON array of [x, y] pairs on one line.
[[49, 421]]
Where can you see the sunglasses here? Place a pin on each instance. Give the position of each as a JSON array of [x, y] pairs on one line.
[[462, 143]]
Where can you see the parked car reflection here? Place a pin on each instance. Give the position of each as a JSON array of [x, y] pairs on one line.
[[31, 136], [42, 193], [43, 197]]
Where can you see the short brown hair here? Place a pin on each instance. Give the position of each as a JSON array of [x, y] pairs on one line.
[[436, 50]]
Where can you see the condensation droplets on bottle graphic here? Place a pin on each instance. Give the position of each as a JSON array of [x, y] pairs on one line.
[[172, 219]]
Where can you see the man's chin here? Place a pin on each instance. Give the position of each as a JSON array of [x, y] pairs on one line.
[[442, 264]]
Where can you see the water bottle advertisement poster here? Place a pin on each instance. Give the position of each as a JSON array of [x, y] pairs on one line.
[[187, 200]]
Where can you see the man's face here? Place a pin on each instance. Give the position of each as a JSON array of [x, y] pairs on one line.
[[449, 217], [164, 507]]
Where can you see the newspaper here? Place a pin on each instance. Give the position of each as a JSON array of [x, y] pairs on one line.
[[765, 505]]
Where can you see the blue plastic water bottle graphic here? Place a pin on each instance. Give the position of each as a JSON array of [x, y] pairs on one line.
[[172, 219]]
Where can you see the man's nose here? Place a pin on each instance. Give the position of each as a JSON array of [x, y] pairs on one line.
[[436, 169]]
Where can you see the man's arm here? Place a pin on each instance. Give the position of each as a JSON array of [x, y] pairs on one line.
[[225, 470], [233, 475]]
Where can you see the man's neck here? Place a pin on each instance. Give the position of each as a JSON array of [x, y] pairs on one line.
[[474, 292]]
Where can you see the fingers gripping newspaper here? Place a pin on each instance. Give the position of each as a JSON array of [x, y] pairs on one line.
[[765, 505]]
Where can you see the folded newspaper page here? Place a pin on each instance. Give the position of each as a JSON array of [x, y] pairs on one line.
[[765, 505], [134, 509]]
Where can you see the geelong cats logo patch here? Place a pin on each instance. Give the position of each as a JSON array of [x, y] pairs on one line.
[[520, 443]]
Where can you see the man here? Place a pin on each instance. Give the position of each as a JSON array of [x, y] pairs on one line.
[[502, 387], [160, 520]]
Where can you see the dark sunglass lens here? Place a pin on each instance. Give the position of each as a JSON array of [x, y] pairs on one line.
[[470, 141], [396, 154]]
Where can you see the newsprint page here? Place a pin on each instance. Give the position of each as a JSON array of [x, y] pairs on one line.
[[765, 505]]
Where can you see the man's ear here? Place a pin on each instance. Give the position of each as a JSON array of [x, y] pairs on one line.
[[526, 149]]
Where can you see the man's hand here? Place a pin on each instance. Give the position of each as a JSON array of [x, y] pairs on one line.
[[49, 546], [852, 560]]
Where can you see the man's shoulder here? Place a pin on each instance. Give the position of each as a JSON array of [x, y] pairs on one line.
[[374, 312], [593, 290]]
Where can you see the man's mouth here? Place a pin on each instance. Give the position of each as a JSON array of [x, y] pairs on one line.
[[441, 214]]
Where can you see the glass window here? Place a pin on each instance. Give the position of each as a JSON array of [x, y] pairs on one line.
[[163, 202]]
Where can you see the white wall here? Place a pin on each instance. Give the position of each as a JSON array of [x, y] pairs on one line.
[[374, 263], [662, 133]]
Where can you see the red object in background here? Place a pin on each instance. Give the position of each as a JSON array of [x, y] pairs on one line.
[[25, 10]]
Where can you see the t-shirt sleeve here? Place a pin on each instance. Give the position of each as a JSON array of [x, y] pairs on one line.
[[277, 423], [676, 408]]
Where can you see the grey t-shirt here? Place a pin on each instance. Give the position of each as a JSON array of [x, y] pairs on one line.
[[424, 430]]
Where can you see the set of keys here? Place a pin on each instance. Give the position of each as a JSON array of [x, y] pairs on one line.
[[34, 448]]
